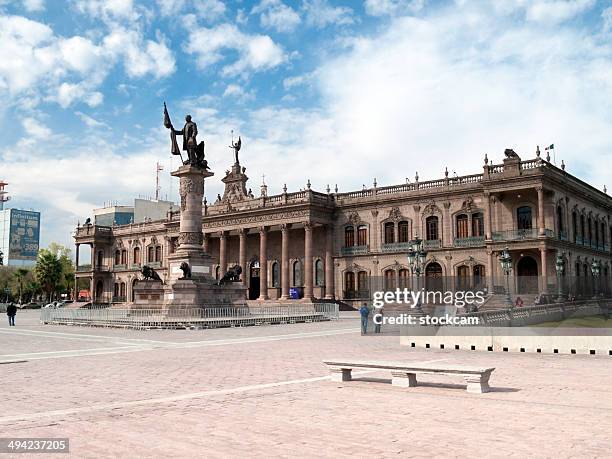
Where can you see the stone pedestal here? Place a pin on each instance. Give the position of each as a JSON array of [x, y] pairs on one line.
[[148, 294], [200, 290]]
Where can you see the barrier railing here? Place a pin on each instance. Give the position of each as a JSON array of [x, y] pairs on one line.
[[211, 316]]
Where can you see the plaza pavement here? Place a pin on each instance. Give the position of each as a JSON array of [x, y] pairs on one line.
[[263, 392]]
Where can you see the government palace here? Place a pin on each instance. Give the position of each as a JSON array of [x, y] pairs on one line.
[[309, 245]]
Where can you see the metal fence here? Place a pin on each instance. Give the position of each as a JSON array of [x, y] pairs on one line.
[[208, 317]]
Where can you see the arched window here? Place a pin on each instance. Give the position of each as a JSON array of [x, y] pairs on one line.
[[362, 283], [582, 233], [362, 235], [590, 230], [389, 233], [389, 280], [577, 269], [575, 226], [477, 224], [463, 277], [217, 271], [117, 257], [100, 259], [116, 290], [136, 255], [431, 228], [462, 226], [124, 257], [150, 254], [297, 274], [403, 231], [560, 226], [479, 276], [158, 253], [349, 236], [275, 274], [403, 278], [122, 291], [603, 234], [349, 283], [523, 218], [319, 274]]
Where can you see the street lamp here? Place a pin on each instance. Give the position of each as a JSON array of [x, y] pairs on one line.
[[417, 256], [506, 264], [596, 270], [560, 268]]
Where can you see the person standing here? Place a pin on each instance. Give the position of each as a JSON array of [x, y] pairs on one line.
[[11, 312], [364, 312], [378, 320]]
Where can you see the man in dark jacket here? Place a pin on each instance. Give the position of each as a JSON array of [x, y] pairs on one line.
[[364, 312], [11, 311]]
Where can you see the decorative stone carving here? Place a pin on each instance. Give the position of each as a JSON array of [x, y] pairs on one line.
[[353, 217], [431, 209], [190, 238], [395, 214], [191, 185]]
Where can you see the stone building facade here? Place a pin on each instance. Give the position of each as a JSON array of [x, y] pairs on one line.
[[335, 245]]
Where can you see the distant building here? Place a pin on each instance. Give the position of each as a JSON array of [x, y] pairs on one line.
[[114, 215], [146, 210], [19, 236]]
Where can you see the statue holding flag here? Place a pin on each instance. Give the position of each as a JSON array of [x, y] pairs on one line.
[[195, 151]]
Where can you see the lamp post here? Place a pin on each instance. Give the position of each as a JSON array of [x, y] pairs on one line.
[[506, 264], [596, 270], [417, 256], [560, 268]]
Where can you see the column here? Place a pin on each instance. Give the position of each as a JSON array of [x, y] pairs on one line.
[[308, 295], [222, 253], [263, 263], [544, 282], [242, 233], [206, 243], [329, 263], [489, 217], [541, 221], [470, 234], [93, 257], [490, 271], [285, 228], [76, 270]]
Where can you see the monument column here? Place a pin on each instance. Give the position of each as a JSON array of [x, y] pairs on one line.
[[308, 295], [263, 263], [206, 244], [222, 253], [242, 233], [329, 263], [285, 228], [544, 282], [541, 220]]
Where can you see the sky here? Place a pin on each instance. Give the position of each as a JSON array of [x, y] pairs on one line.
[[335, 92]]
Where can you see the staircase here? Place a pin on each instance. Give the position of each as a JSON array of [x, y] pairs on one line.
[[498, 301]]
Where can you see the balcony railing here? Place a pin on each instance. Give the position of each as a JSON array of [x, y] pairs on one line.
[[120, 267], [432, 244], [135, 266], [474, 241], [356, 294], [355, 250], [154, 264], [396, 247], [519, 234], [97, 268], [119, 299]]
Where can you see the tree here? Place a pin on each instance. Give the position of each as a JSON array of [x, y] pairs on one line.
[[48, 271], [64, 254], [20, 275]]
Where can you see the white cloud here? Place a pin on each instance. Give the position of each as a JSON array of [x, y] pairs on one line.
[[274, 14], [607, 19], [320, 14], [256, 52], [393, 7], [209, 10], [35, 128], [556, 11], [34, 5], [108, 10], [298, 80], [237, 92], [89, 121]]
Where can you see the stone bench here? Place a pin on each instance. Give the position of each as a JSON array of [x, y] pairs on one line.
[[404, 373]]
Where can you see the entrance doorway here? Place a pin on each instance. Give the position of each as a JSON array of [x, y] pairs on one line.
[[527, 275], [433, 279], [99, 290], [254, 280]]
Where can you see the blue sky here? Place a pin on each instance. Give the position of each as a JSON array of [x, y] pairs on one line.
[[338, 92]]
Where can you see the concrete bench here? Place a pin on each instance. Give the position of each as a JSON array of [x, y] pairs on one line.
[[404, 373]]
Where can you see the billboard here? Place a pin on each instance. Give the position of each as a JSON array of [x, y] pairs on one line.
[[24, 235]]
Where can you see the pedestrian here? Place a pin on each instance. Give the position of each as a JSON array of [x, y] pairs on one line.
[[11, 311], [519, 302], [364, 311], [378, 317]]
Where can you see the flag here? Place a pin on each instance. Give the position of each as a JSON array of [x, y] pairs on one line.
[[551, 147], [168, 124]]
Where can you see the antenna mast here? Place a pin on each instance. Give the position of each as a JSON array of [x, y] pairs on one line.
[[3, 194], [158, 168]]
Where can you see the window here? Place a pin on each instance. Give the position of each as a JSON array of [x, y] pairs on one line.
[[577, 269], [403, 278], [136, 255], [349, 236], [100, 260], [603, 233], [275, 274], [124, 257], [297, 274], [217, 269], [590, 227], [431, 228], [362, 235], [523, 218], [479, 276], [158, 253], [560, 226], [319, 274], [403, 232], [117, 257], [478, 224], [362, 281], [389, 280], [349, 281], [582, 233], [574, 225], [151, 254], [596, 234], [463, 277], [389, 233], [122, 290], [116, 290], [462, 226]]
